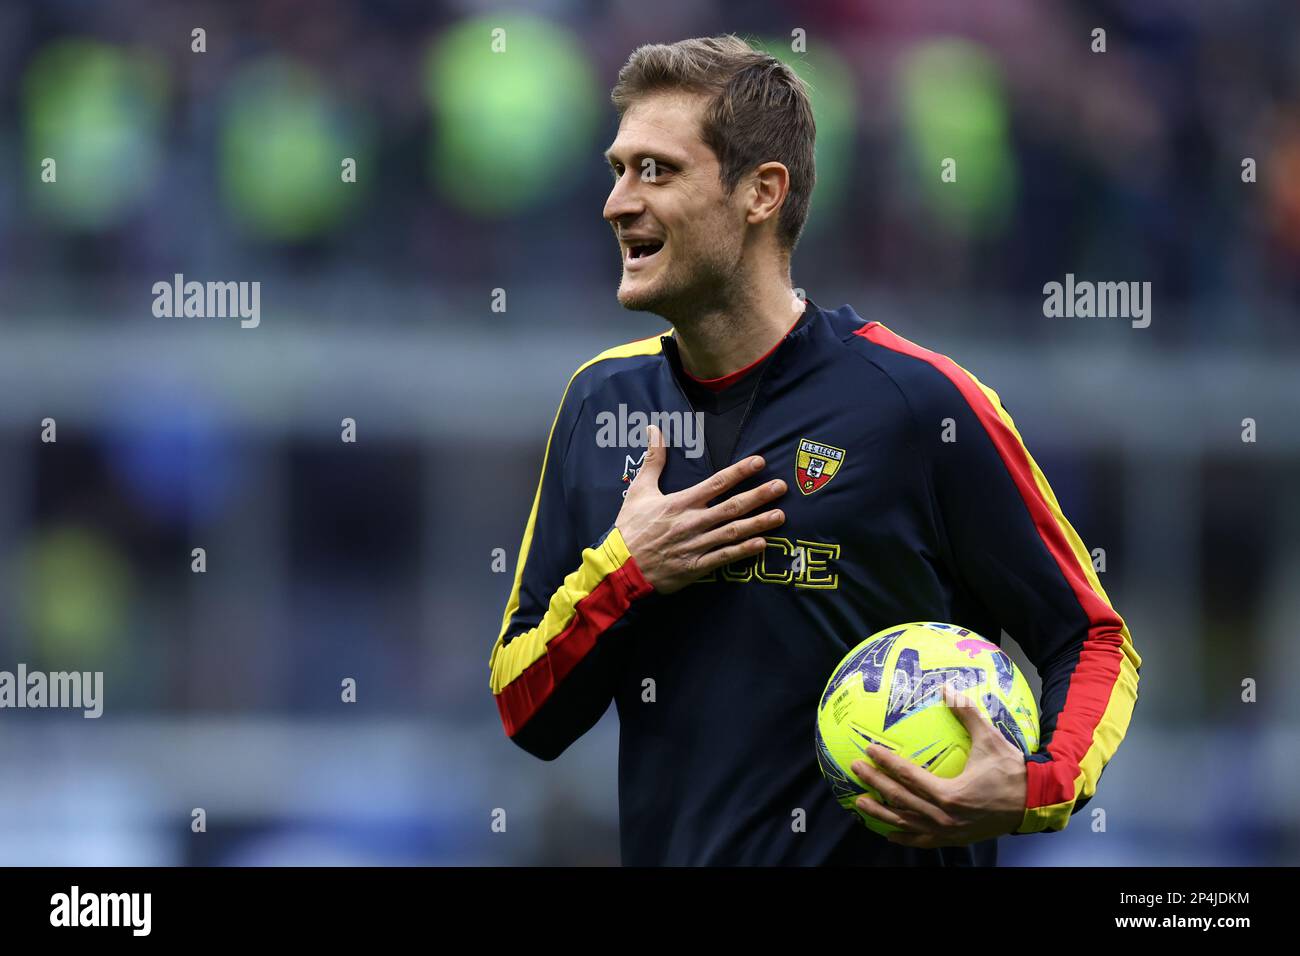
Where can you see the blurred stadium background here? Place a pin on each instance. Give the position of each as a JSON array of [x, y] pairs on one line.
[[478, 172]]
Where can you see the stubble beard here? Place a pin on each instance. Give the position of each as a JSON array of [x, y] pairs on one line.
[[679, 298]]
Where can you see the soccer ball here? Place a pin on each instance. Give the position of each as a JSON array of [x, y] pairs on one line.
[[889, 691]]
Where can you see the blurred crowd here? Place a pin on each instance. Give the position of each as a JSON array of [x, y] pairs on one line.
[[477, 167]]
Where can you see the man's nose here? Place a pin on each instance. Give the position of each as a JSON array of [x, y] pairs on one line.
[[624, 200]]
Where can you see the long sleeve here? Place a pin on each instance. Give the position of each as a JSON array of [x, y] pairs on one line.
[[554, 664], [1015, 553]]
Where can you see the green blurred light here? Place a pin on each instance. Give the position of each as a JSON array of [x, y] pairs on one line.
[[283, 141], [96, 110], [77, 592], [511, 126], [953, 106], [835, 108]]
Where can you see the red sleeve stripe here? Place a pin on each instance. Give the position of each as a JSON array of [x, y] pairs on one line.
[[1093, 718], [520, 699]]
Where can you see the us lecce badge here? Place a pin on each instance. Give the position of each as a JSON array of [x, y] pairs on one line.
[[815, 464]]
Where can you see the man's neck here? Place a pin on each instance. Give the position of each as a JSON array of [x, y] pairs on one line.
[[721, 340]]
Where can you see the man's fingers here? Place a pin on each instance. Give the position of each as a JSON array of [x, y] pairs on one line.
[[738, 531], [723, 481], [966, 710], [743, 503], [921, 782], [716, 559], [897, 795], [652, 463], [868, 804]]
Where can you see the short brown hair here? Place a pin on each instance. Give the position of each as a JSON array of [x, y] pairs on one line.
[[758, 112]]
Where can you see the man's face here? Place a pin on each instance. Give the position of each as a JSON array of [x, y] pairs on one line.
[[680, 236]]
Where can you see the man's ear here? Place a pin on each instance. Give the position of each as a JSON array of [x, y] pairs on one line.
[[769, 185]]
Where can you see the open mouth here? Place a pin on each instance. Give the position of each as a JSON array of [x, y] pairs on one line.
[[643, 251]]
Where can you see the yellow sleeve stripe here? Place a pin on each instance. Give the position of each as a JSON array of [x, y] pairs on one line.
[[594, 577], [1110, 730], [646, 346]]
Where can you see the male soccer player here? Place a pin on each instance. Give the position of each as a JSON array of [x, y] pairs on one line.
[[848, 480]]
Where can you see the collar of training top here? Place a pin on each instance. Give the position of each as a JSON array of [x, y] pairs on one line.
[[812, 315]]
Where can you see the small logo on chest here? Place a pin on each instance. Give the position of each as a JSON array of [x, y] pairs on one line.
[[631, 468], [815, 464]]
